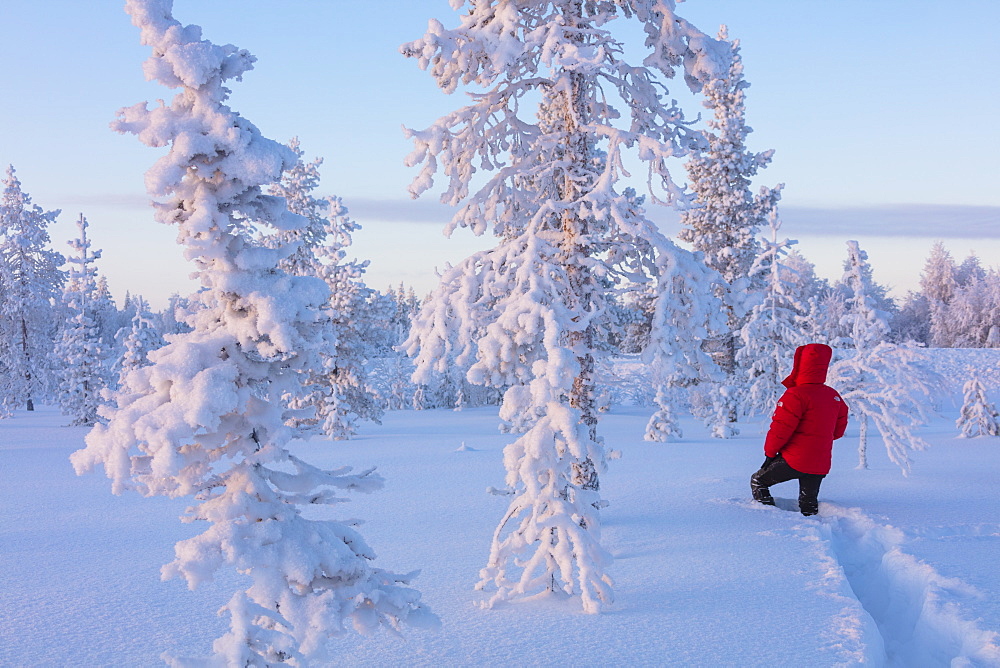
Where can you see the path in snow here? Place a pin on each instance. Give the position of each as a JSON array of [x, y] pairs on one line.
[[917, 610]]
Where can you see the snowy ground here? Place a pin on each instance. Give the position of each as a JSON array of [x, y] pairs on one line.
[[899, 567]]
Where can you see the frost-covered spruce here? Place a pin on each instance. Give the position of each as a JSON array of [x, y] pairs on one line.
[[774, 327], [979, 416], [685, 314], [938, 284], [888, 384], [138, 340], [80, 353], [530, 313], [207, 418], [725, 223], [340, 392], [30, 282]]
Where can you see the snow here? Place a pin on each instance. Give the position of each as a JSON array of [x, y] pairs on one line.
[[702, 575]]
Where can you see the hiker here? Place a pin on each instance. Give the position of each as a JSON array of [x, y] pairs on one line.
[[807, 420]]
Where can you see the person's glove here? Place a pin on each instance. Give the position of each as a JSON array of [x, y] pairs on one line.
[[768, 461]]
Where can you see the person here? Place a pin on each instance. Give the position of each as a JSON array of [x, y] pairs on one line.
[[809, 417]]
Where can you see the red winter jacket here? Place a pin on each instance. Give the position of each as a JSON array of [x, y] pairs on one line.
[[809, 415]]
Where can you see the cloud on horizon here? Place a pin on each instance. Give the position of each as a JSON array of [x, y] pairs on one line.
[[931, 221]]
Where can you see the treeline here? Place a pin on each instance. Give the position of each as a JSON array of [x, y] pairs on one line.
[[65, 340]]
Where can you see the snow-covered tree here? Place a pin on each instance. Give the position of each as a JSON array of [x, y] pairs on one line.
[[173, 318], [979, 417], [774, 327], [81, 354], [685, 315], [341, 391], [885, 383], [970, 270], [725, 223], [297, 185], [938, 284], [209, 417], [529, 314], [138, 340], [913, 320], [30, 281], [801, 276]]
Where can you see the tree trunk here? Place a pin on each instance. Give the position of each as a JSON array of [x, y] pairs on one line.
[[27, 364], [575, 246]]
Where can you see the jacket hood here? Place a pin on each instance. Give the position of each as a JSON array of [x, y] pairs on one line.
[[811, 363]]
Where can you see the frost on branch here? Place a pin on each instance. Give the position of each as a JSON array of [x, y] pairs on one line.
[[210, 417], [555, 105]]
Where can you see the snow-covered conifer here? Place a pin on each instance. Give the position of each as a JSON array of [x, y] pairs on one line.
[[209, 418], [685, 315], [938, 284], [31, 281], [979, 417], [527, 314], [81, 354], [913, 320], [774, 327], [138, 340], [970, 270], [885, 383], [725, 223], [340, 391]]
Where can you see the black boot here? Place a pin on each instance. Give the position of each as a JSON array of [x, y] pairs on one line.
[[809, 493], [760, 493]]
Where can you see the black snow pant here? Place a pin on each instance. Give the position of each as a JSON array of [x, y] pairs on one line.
[[777, 470]]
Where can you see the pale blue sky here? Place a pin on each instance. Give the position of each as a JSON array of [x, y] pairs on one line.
[[876, 109]]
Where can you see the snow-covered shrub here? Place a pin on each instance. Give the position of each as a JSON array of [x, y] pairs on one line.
[[978, 416]]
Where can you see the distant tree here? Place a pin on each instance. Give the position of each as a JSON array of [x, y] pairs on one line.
[[297, 185], [801, 276], [80, 352], [728, 216], [685, 315], [173, 318], [30, 280], [913, 320], [530, 311], [209, 418], [938, 283], [979, 417], [774, 327], [138, 340], [970, 270], [887, 384], [340, 390]]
